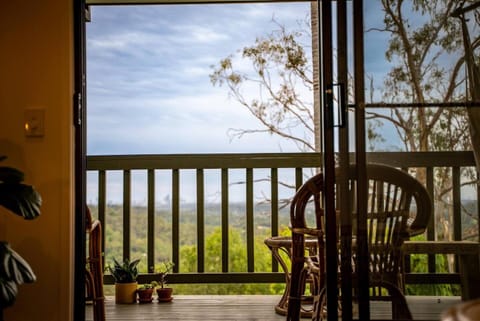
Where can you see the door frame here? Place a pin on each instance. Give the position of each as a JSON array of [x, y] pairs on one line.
[[79, 112]]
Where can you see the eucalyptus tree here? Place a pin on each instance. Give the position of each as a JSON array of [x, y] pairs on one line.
[[426, 57], [425, 61], [282, 81], [427, 67]]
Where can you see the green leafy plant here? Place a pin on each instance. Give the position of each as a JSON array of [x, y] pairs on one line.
[[163, 270], [146, 286], [125, 272], [24, 201], [145, 292]]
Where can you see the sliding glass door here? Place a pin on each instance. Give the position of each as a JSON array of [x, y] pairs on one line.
[[343, 138]]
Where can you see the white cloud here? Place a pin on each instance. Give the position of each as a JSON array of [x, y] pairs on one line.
[[200, 34]]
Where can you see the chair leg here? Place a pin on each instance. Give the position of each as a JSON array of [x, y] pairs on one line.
[[400, 310], [319, 303], [89, 286], [99, 309], [295, 296]]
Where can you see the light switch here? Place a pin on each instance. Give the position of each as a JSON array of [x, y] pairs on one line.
[[34, 122]]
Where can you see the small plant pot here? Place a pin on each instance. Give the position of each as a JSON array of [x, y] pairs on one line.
[[145, 295], [164, 294], [125, 293]]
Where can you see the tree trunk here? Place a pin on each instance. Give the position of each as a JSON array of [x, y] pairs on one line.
[[473, 74]]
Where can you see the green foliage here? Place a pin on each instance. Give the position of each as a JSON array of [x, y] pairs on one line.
[[237, 251], [188, 249], [237, 263], [146, 286], [419, 264], [124, 272], [164, 268]]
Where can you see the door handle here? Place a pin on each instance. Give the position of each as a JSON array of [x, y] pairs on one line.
[[335, 95]]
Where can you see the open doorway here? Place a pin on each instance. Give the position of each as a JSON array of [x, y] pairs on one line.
[[132, 104], [181, 105]]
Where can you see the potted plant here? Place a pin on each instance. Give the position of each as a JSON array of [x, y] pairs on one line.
[[125, 275], [164, 293], [22, 200], [145, 292]]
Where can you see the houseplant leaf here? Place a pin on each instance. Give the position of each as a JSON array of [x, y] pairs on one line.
[[13, 267], [21, 199], [25, 201], [8, 293], [11, 175], [125, 272]]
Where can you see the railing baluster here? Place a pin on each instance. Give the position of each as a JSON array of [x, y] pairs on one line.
[[478, 206], [454, 160], [225, 223], [176, 219], [274, 209], [431, 222], [407, 262], [250, 230], [151, 221], [200, 221], [102, 196], [298, 177], [102, 203], [126, 213], [457, 208]]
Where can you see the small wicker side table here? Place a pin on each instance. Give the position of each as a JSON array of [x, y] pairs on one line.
[[279, 244]]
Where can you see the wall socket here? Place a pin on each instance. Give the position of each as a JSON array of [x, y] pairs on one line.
[[34, 124]]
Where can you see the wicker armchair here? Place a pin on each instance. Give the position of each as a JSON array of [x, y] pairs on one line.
[[94, 269], [390, 219]]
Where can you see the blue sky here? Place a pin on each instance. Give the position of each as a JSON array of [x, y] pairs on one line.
[[148, 87], [149, 90], [148, 77]]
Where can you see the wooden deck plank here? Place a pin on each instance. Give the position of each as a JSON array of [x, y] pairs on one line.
[[248, 308]]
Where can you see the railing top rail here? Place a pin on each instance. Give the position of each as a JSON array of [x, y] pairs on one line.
[[271, 160], [193, 161], [423, 159]]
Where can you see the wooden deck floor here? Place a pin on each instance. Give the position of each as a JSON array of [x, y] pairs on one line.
[[247, 308]]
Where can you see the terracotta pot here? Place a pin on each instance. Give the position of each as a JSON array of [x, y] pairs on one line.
[[145, 295], [126, 293], [164, 294]]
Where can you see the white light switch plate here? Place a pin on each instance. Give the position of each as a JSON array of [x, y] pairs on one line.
[[34, 122]]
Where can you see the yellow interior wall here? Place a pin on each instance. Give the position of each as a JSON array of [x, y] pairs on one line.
[[36, 71]]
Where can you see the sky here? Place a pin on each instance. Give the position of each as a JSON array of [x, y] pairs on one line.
[[148, 86]]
